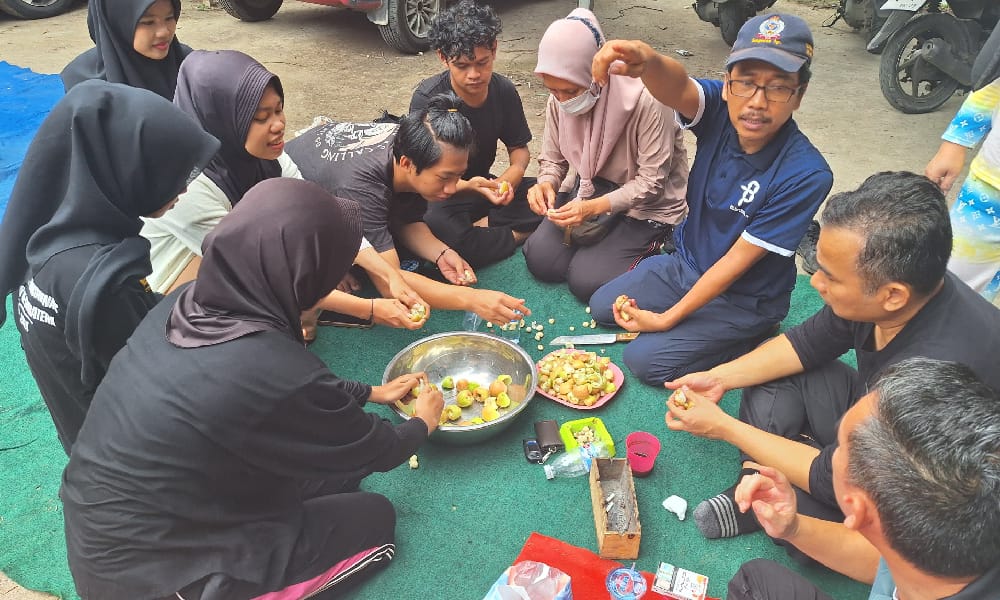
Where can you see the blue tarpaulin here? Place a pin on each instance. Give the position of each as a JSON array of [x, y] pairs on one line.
[[26, 98]]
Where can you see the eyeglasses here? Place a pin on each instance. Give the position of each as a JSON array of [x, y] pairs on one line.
[[773, 93]]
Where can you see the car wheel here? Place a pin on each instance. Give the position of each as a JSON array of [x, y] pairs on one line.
[[251, 10], [409, 22], [35, 9]]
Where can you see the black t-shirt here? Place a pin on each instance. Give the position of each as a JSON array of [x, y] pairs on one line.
[[354, 161], [191, 459], [956, 325], [40, 305], [501, 117]]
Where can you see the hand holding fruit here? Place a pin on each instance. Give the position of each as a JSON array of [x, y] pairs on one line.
[[397, 389], [541, 197], [429, 405], [455, 269], [391, 312]]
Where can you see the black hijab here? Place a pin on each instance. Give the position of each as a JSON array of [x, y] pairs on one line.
[[284, 247], [222, 90], [113, 59], [106, 155]]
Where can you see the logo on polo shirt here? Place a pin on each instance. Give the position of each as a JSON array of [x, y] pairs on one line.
[[749, 193]]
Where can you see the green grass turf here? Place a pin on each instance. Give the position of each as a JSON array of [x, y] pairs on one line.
[[465, 513]]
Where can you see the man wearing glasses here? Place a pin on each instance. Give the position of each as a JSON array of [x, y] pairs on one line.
[[754, 187]]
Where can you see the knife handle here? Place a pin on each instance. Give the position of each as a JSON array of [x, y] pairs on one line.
[[626, 337]]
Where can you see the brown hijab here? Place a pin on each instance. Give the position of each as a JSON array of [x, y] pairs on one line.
[[284, 247]]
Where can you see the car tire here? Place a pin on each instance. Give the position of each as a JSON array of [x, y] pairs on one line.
[[35, 9], [251, 10], [409, 22]]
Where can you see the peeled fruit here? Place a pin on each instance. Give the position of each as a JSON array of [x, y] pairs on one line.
[[447, 383], [463, 399], [576, 376], [453, 412], [490, 413], [622, 302], [417, 312], [481, 394], [503, 400]]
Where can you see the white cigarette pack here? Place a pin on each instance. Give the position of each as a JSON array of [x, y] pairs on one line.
[[681, 584]]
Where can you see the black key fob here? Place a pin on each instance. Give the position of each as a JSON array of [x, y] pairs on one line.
[[532, 451]]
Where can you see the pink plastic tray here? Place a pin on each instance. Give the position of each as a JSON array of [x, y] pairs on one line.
[[619, 379]]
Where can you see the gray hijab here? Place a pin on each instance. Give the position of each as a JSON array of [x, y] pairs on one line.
[[221, 90], [112, 26]]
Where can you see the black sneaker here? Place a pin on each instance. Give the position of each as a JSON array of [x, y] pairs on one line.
[[807, 248]]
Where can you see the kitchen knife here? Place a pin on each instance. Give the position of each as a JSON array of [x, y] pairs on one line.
[[593, 338]]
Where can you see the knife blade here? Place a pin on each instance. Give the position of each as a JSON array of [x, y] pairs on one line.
[[593, 338]]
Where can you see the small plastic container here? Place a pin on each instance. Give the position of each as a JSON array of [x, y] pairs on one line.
[[626, 583], [569, 428], [641, 449]]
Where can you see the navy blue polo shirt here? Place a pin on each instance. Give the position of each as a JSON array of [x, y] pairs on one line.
[[768, 198]]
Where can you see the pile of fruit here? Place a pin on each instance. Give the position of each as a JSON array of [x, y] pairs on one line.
[[494, 398], [576, 376]]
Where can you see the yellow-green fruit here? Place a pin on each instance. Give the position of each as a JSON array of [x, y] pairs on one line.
[[490, 413], [477, 421], [503, 400], [463, 399], [453, 411], [447, 383], [473, 385], [481, 394], [610, 388], [504, 379]]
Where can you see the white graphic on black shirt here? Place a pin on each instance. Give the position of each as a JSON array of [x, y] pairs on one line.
[[340, 141], [35, 306]]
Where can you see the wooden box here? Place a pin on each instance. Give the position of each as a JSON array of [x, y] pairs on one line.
[[616, 512]]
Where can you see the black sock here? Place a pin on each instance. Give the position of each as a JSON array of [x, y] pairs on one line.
[[719, 517]]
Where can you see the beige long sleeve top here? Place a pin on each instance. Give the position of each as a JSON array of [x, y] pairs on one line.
[[649, 163]]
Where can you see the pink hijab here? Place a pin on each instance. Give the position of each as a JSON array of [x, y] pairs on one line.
[[566, 51]]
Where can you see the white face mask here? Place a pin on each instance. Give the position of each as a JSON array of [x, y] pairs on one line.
[[581, 104]]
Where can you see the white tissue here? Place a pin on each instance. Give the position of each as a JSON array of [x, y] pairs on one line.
[[676, 505]]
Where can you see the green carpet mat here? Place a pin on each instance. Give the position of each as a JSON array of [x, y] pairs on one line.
[[465, 513]]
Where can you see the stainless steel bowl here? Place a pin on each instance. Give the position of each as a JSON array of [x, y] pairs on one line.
[[478, 357]]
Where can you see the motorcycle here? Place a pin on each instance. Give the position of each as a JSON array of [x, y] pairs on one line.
[[927, 51], [729, 15], [863, 15]]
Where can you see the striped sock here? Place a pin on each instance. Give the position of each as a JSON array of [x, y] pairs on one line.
[[719, 517]]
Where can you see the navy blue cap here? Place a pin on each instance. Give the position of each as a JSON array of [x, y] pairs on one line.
[[781, 40]]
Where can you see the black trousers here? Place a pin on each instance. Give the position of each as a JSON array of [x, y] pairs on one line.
[[337, 524], [762, 579], [806, 407], [452, 221], [586, 268]]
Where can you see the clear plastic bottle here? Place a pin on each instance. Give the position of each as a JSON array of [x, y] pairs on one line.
[[575, 462]]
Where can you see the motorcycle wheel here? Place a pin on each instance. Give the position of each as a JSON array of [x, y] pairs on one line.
[[732, 16], [911, 84]]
